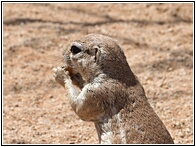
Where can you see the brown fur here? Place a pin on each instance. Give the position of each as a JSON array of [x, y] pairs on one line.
[[109, 94]]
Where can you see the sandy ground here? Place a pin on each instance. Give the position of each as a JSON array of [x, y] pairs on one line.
[[157, 40]]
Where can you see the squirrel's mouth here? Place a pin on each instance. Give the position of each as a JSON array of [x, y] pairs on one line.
[[74, 75], [68, 68], [72, 71]]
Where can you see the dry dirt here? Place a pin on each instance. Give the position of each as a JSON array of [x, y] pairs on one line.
[[157, 40]]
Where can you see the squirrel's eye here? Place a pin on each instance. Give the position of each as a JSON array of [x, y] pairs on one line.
[[75, 49]]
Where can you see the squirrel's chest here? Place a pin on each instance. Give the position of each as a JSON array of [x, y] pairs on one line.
[[112, 131]]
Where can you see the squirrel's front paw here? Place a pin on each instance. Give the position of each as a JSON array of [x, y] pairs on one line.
[[60, 74]]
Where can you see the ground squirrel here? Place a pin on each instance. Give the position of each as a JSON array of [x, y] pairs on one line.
[[103, 89]]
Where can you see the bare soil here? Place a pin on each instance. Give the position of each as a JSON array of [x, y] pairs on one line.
[[157, 40]]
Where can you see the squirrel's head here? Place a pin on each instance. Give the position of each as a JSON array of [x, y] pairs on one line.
[[84, 56], [95, 54]]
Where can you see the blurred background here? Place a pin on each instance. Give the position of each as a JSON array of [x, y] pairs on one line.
[[157, 39]]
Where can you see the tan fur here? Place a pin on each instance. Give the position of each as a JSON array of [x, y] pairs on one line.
[[103, 89]]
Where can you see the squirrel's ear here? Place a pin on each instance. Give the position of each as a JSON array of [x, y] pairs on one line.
[[97, 55]]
